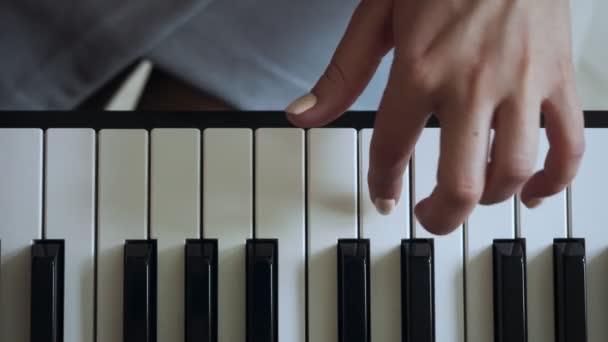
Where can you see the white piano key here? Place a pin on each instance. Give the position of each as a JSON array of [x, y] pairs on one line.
[[122, 214], [539, 227], [385, 234], [227, 216], [174, 217], [70, 215], [280, 214], [332, 215], [589, 217], [449, 291], [485, 224], [21, 158]]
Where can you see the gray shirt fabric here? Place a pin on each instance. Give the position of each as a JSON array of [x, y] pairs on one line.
[[262, 54], [55, 53], [256, 55]]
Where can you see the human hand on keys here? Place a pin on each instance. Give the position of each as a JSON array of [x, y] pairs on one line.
[[477, 66]]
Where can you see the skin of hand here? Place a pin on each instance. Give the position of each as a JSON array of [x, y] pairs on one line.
[[478, 66]]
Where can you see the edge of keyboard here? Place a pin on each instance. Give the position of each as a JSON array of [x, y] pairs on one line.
[[204, 119]]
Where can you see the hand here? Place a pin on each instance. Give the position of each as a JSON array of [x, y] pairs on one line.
[[476, 65]]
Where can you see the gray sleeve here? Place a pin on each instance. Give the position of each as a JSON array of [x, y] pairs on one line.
[[55, 53]]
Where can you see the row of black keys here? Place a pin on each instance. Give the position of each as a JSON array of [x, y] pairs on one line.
[[417, 286]]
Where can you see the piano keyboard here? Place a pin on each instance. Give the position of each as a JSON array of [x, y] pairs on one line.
[[237, 227]]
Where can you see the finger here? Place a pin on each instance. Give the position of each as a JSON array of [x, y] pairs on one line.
[[514, 149], [461, 170], [564, 124], [367, 40], [401, 117]]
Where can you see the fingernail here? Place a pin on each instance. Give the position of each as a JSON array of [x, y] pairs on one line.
[[384, 206], [302, 104], [533, 202]]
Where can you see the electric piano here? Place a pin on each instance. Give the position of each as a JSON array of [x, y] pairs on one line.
[[235, 226]]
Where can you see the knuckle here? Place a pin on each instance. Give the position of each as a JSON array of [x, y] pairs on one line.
[[469, 105], [567, 167], [479, 66], [554, 186], [418, 72], [479, 71], [476, 102], [462, 193], [335, 75], [574, 150], [558, 180], [516, 172]]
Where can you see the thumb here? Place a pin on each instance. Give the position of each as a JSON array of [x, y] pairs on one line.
[[367, 40]]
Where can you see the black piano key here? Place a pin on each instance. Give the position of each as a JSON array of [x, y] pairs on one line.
[[139, 299], [570, 290], [201, 290], [510, 302], [353, 291], [417, 290], [47, 290], [262, 290]]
